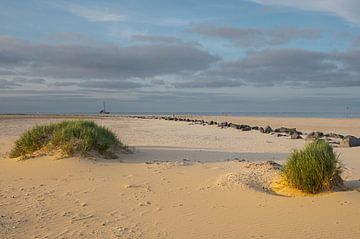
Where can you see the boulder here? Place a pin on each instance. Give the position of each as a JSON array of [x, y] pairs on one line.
[[261, 129], [255, 127], [295, 136], [314, 135], [223, 124], [273, 164], [235, 126], [287, 130], [268, 130], [350, 141], [334, 135], [246, 128]]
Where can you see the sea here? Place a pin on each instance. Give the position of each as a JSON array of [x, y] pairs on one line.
[[250, 114]]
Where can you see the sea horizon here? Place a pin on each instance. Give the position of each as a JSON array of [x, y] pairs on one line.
[[352, 115]]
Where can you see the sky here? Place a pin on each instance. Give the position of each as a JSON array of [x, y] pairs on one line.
[[179, 56]]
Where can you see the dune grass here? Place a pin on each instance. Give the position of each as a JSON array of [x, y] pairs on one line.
[[71, 137], [313, 169]]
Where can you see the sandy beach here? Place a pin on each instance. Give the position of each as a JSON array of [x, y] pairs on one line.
[[182, 181]]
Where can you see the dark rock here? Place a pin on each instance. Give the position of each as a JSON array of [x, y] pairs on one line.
[[275, 165], [295, 136], [246, 128], [268, 130], [235, 126], [334, 135], [243, 126], [296, 132], [350, 141], [223, 124], [286, 130], [255, 127], [314, 135], [261, 129]]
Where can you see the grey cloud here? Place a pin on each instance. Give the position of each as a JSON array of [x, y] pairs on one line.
[[102, 84], [101, 61], [357, 42], [7, 84], [246, 37], [116, 85], [350, 61], [29, 80], [96, 14], [156, 39], [5, 72], [158, 82], [207, 84], [293, 67], [347, 9], [65, 83]]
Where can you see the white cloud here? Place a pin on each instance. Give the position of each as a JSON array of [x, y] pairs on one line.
[[96, 15], [347, 9]]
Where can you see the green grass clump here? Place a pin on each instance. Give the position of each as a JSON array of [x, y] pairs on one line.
[[71, 137], [315, 168]]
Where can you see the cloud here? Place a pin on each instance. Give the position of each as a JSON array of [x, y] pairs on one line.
[[96, 14], [292, 67], [207, 84], [350, 61], [357, 42], [29, 80], [6, 84], [113, 85], [158, 82], [156, 39], [246, 37], [178, 65], [63, 84], [346, 9], [101, 62]]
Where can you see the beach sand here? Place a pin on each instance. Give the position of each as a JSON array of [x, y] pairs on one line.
[[182, 181]]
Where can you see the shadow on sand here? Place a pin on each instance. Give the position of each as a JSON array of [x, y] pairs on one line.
[[144, 154]]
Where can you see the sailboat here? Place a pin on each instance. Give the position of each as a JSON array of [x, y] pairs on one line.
[[103, 111]]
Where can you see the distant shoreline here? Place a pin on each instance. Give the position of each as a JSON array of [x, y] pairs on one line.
[[321, 115]]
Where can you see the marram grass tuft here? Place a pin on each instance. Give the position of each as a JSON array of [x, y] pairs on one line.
[[313, 169], [70, 137]]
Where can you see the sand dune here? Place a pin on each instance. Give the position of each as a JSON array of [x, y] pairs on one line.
[[182, 181]]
